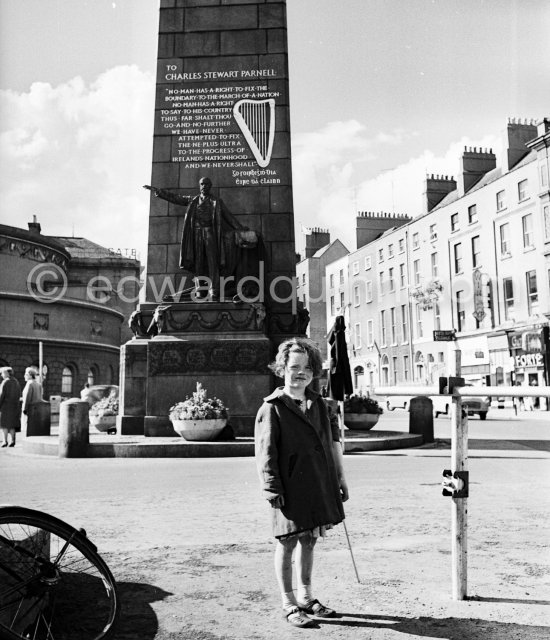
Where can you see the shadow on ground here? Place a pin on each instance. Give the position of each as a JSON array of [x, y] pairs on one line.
[[137, 617], [447, 628]]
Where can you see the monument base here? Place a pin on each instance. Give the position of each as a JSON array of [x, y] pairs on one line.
[[219, 344]]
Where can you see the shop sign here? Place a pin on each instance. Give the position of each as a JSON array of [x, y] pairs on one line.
[[529, 360]]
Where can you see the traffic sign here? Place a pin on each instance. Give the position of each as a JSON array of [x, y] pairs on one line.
[[447, 335]]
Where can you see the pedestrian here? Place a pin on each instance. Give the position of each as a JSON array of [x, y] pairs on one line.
[[32, 394], [85, 393], [300, 464], [10, 406]]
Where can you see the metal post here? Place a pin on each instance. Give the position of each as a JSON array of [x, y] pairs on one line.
[[459, 522], [341, 424]]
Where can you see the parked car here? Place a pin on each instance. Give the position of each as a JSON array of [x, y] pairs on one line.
[[442, 404], [476, 404]]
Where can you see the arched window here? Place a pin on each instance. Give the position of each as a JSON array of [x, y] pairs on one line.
[[419, 365], [67, 381], [359, 377], [112, 375], [93, 375]]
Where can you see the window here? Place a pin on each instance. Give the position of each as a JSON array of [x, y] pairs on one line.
[[380, 255], [508, 294], [433, 259], [341, 276], [460, 312], [331, 280], [67, 381], [476, 252], [390, 251], [458, 257], [390, 277], [454, 222], [402, 279], [357, 335], [93, 375], [355, 268], [415, 241], [501, 204], [370, 332], [368, 263], [404, 323], [401, 245], [546, 221], [405, 368], [368, 291], [394, 368], [416, 272], [532, 293], [392, 326], [342, 305], [437, 316], [332, 309], [383, 328], [433, 232], [356, 297], [522, 190], [544, 174], [419, 329], [527, 226], [381, 282], [505, 240], [472, 214], [303, 278]]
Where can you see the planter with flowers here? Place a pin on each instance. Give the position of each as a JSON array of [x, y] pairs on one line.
[[361, 412], [198, 417], [103, 413]]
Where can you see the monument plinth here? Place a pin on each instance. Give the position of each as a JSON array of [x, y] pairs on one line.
[[221, 209]]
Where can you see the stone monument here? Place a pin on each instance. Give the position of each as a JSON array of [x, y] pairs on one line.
[[220, 291]]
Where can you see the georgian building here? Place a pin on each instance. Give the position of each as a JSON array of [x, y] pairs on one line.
[[476, 260], [65, 302]]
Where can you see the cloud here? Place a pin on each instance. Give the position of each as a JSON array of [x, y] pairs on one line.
[[336, 174], [76, 156]]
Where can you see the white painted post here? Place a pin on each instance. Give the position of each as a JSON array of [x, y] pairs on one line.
[[459, 516]]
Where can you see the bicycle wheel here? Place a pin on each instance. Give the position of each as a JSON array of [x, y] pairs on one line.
[[53, 583]]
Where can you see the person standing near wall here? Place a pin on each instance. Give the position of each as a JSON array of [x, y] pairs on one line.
[[10, 406], [32, 393]]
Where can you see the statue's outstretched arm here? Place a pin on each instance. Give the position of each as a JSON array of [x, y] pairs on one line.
[[167, 195]]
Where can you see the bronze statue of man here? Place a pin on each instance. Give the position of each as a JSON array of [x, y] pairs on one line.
[[205, 225]]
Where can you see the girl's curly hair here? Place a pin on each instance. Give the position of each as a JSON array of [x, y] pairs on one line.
[[300, 345]]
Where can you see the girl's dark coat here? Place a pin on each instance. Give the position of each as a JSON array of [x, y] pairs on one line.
[[295, 459]]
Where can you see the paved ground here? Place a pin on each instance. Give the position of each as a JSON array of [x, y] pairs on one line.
[[189, 543]]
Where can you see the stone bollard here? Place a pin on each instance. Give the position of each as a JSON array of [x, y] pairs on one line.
[[74, 428], [39, 419], [421, 417]]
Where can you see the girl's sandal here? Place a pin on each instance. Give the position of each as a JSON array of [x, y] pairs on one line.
[[315, 608], [298, 618]]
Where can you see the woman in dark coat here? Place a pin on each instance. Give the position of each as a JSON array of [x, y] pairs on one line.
[[299, 460], [10, 406]]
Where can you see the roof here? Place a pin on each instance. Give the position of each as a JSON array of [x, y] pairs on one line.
[[84, 249], [324, 249], [34, 237]]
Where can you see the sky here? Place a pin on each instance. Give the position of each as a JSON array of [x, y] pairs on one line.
[[382, 92]]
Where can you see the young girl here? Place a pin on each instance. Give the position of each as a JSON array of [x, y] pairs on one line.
[[299, 460]]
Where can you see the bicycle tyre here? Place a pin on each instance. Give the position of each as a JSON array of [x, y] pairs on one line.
[[53, 583]]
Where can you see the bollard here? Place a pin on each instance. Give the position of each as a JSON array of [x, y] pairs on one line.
[[38, 419], [421, 417], [74, 427]]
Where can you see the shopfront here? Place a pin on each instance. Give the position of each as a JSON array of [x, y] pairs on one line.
[[530, 351]]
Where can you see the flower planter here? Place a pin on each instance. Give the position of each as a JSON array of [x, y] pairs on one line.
[[199, 430], [104, 423], [360, 421]]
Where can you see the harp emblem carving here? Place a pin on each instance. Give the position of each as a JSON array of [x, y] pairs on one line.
[[256, 120]]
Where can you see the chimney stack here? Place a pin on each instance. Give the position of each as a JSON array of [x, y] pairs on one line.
[[516, 136], [437, 187], [474, 164], [34, 226], [317, 239], [371, 225]]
